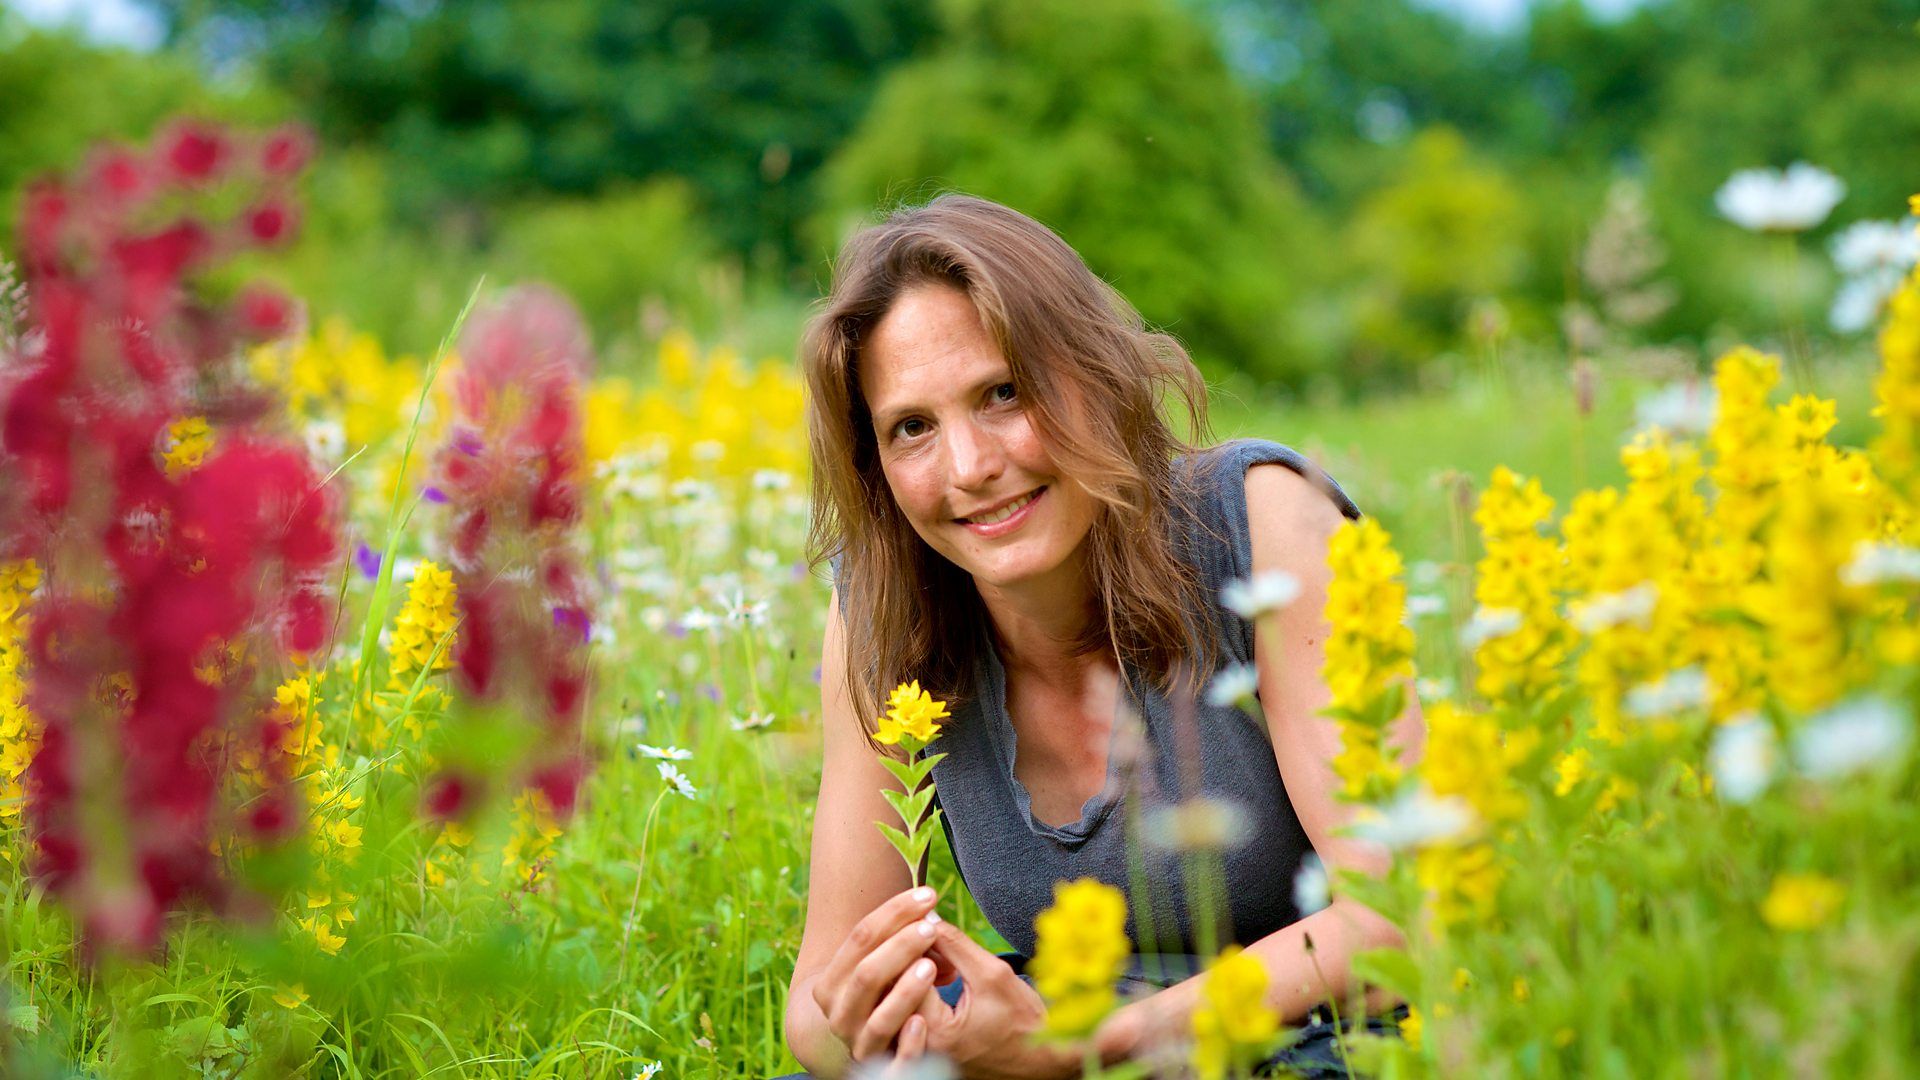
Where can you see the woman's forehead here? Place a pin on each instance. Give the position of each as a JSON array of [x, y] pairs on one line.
[[931, 339]]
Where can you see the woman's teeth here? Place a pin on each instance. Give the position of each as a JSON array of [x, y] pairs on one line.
[[1004, 512]]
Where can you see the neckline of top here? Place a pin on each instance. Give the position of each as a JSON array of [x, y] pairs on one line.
[[1098, 807]]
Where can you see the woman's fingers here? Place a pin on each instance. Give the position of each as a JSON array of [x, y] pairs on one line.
[[878, 927], [889, 1018], [913, 1039], [876, 975]]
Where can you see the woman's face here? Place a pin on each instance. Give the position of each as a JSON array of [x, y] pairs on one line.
[[965, 464]]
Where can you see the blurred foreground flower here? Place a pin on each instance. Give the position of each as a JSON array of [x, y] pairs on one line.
[[1080, 950], [1233, 1026], [181, 567], [1769, 200], [510, 472]]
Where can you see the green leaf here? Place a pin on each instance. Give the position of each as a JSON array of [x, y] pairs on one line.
[[918, 805], [900, 841], [24, 1018], [901, 770], [1393, 969], [901, 803]]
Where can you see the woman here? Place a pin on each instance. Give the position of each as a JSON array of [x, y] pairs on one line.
[[1013, 523]]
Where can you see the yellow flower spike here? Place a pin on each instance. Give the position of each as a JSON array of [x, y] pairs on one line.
[[1081, 949], [1233, 1025], [912, 713]]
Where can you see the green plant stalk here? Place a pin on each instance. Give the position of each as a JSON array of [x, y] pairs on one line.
[[396, 518], [914, 804]]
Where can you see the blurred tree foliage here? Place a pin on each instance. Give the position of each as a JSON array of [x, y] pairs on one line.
[[1302, 189], [486, 100], [1125, 133], [53, 108]]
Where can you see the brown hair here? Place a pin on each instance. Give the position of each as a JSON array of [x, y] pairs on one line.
[[1093, 379]]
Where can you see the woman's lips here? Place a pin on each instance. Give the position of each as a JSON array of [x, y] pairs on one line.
[[1012, 522]]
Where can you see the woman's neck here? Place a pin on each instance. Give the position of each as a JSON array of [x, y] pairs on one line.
[[1039, 624]]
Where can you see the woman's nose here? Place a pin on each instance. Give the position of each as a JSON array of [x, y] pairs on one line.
[[974, 458]]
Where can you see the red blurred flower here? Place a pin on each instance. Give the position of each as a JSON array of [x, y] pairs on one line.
[[510, 472], [170, 594], [271, 222], [195, 151]]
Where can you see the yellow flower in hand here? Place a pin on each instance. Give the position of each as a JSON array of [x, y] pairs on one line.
[[911, 713]]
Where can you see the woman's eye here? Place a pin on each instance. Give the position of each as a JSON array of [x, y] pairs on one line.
[[911, 427], [1005, 392]]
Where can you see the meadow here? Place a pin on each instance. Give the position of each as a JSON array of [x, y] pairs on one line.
[[432, 911]]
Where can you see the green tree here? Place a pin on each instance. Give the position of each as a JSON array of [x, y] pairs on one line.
[[489, 100], [52, 108], [1126, 134]]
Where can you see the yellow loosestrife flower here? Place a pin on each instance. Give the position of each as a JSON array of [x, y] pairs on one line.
[[1369, 652], [19, 734], [1081, 949], [1521, 572], [912, 713], [1233, 1026], [428, 616], [1896, 394], [1413, 1028]]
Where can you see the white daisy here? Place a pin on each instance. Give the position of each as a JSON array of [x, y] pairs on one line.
[[676, 780], [1744, 756], [1235, 684], [1261, 594], [1769, 200], [663, 753]]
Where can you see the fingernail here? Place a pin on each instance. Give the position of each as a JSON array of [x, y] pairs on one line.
[[923, 968], [923, 894], [926, 929], [932, 916]]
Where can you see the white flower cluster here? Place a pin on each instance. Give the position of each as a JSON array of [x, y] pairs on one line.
[[1770, 200]]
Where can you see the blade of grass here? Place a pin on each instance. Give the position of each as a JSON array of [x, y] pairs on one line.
[[383, 585]]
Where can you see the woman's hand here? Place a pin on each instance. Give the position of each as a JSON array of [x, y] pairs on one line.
[[991, 1033], [881, 974]]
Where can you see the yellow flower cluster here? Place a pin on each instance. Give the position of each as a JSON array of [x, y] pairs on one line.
[[1469, 757], [1081, 949], [1233, 1026], [912, 715], [1896, 392], [326, 906], [336, 376], [425, 623], [448, 854], [19, 735], [1519, 575], [703, 416], [187, 444], [529, 849], [1369, 654], [1801, 901]]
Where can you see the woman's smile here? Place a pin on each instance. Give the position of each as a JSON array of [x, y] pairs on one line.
[[1005, 517]]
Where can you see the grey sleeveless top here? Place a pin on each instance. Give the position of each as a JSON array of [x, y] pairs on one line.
[[1010, 860]]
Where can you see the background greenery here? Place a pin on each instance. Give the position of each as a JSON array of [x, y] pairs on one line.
[[1312, 193]]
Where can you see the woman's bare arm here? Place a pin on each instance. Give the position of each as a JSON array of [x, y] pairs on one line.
[[1292, 522]]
